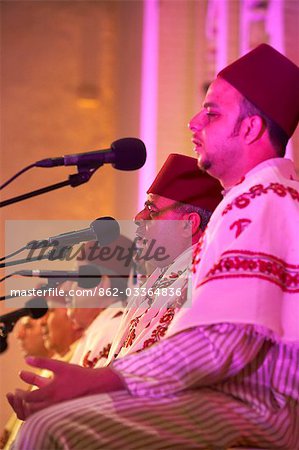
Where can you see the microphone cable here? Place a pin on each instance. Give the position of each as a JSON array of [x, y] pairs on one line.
[[17, 175]]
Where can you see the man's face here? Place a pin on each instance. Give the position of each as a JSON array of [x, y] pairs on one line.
[[29, 335], [81, 316], [217, 144], [158, 221], [143, 267], [58, 333], [83, 309]]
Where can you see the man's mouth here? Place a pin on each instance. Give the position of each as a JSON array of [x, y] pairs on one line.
[[198, 144], [140, 235]]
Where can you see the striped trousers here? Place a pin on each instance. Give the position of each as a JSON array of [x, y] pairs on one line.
[[201, 419]]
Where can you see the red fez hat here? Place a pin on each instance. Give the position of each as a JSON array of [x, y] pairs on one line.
[[112, 258], [270, 81], [181, 180]]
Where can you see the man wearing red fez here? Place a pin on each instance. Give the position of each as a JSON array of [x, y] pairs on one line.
[[246, 268], [179, 195], [227, 374]]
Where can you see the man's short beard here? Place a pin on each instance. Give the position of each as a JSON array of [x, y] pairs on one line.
[[204, 165]]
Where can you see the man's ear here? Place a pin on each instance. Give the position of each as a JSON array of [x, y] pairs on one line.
[[252, 129], [192, 222]]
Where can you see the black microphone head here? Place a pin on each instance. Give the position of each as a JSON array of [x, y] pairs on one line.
[[89, 276], [37, 307], [3, 344], [130, 153], [106, 230]]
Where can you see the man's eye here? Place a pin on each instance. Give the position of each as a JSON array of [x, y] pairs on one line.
[[153, 213]]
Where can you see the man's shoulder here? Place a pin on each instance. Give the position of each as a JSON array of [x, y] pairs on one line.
[[274, 183]]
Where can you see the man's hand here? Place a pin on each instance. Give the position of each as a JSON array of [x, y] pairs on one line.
[[70, 381]]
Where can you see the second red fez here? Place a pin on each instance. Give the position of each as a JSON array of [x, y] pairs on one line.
[[181, 180], [270, 81]]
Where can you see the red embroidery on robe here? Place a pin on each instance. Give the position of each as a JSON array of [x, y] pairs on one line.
[[86, 362], [240, 181], [196, 253], [166, 320], [240, 225], [160, 283], [294, 194], [248, 264], [175, 275], [243, 200], [132, 332], [102, 354]]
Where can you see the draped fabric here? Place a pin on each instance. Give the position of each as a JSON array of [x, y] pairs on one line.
[[246, 266], [148, 315], [93, 348]]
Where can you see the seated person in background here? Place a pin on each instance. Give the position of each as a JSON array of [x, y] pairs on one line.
[[179, 192], [53, 335], [59, 334], [98, 316], [28, 333], [168, 199]]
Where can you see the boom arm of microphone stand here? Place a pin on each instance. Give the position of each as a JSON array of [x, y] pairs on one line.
[[74, 180], [23, 260], [50, 256], [7, 297]]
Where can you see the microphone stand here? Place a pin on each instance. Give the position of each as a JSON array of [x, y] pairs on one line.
[[7, 326], [24, 260], [3, 343], [52, 255], [74, 180]]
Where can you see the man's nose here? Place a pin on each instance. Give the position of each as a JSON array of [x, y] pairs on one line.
[[197, 122], [20, 334], [142, 215]]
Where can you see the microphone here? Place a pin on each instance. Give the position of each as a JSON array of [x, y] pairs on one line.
[[104, 230], [35, 308], [88, 276], [124, 154], [3, 343]]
